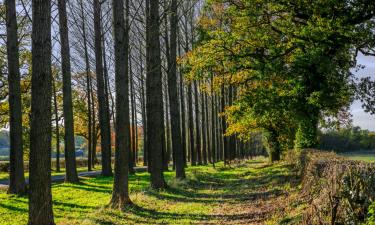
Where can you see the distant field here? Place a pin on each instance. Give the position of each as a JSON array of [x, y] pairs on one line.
[[367, 156]]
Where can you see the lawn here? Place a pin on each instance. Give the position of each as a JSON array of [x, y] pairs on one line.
[[248, 192]]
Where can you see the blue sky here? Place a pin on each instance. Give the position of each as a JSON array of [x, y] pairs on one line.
[[360, 118]]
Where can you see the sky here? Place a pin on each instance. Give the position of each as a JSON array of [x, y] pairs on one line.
[[361, 118]]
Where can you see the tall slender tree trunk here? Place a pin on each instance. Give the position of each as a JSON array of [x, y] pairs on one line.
[[132, 97], [167, 153], [90, 125], [57, 127], [198, 124], [154, 100], [224, 127], [177, 146], [143, 108], [183, 120], [70, 154], [193, 155], [120, 196], [105, 130], [94, 128], [204, 128], [213, 125], [40, 196], [148, 149], [17, 183]]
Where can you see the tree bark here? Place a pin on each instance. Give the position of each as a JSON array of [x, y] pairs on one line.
[[177, 147], [132, 126], [17, 183], [204, 128], [154, 100], [70, 154], [105, 130], [88, 90], [120, 196], [213, 125], [40, 197], [193, 155], [197, 124], [57, 127]]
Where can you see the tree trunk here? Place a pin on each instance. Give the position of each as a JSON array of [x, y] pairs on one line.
[[213, 125], [40, 197], [183, 120], [70, 156], [57, 127], [88, 90], [17, 183], [143, 107], [154, 100], [132, 97], [224, 127], [120, 196], [204, 128], [193, 156], [105, 130], [167, 153], [197, 124], [177, 147], [273, 145]]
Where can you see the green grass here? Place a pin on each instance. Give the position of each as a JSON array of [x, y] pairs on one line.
[[360, 156], [5, 176], [209, 195]]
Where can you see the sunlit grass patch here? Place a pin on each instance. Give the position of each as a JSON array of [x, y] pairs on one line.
[[198, 199]]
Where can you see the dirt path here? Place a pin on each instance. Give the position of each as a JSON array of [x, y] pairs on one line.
[[257, 193]]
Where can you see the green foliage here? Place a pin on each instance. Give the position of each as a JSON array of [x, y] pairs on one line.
[[289, 60]]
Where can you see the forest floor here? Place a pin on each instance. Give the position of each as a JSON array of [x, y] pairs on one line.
[[251, 192]]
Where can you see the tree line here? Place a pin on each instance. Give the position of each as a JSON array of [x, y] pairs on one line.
[[101, 69], [284, 68]]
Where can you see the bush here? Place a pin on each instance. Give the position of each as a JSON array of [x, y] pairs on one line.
[[339, 191]]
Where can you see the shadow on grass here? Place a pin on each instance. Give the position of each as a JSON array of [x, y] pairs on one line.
[[13, 208], [151, 216]]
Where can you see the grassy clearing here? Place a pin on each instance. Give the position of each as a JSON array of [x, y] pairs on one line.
[[5, 176], [249, 192], [365, 156]]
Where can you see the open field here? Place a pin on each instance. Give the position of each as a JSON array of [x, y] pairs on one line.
[[248, 193], [5, 175], [367, 156]]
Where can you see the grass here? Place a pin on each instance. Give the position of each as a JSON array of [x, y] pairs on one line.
[[249, 192], [366, 156], [5, 176]]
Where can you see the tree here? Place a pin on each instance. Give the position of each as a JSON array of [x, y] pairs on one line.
[[104, 117], [292, 56], [172, 90], [40, 197], [17, 183], [70, 156], [154, 102], [120, 196]]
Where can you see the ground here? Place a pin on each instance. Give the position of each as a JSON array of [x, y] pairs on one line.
[[251, 192]]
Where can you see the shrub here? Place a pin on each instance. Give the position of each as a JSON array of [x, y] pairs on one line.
[[339, 191]]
